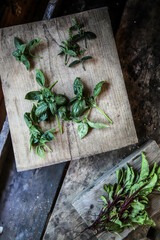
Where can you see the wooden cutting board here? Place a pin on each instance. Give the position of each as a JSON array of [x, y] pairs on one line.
[[88, 203], [17, 81]]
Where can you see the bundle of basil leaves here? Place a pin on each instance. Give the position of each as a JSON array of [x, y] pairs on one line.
[[49, 103], [24, 51], [127, 200], [70, 47]]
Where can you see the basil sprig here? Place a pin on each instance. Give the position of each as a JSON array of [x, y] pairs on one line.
[[24, 51], [125, 202], [48, 103], [38, 138], [70, 47], [81, 103]]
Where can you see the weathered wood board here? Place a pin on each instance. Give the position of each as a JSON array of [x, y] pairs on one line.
[[16, 82], [65, 222], [88, 203]]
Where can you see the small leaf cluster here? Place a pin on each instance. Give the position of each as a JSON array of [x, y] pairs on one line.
[[47, 104], [127, 200], [24, 51], [38, 138], [70, 47], [81, 102]]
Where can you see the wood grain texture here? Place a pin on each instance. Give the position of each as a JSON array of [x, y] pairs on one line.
[[16, 81], [65, 222], [88, 203]]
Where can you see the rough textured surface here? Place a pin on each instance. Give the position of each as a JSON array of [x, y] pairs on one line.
[[88, 203], [138, 46], [65, 223], [104, 66], [26, 199]]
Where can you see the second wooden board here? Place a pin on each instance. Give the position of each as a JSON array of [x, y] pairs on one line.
[[89, 203], [17, 81]]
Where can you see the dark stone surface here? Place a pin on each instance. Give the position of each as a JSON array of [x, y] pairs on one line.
[[26, 199]]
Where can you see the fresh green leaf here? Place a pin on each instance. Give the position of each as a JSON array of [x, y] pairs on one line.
[[74, 63], [53, 108], [28, 119], [86, 58], [25, 61], [72, 53], [144, 168], [64, 113], [61, 99], [97, 125], [98, 88], [40, 151], [17, 43], [42, 107], [22, 48], [40, 78], [34, 95], [78, 87], [79, 108], [33, 43], [82, 129], [90, 35]]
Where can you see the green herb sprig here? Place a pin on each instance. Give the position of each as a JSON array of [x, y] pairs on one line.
[[127, 200], [81, 103], [48, 102], [23, 51], [70, 47], [38, 138]]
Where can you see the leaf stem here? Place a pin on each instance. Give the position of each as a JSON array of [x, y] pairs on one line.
[[59, 124], [35, 56], [47, 147], [103, 113], [52, 85]]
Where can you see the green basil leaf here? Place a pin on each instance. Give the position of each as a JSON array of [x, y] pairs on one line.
[[86, 58], [53, 108], [97, 125], [22, 48], [34, 95], [63, 49], [64, 113], [40, 151], [74, 63], [98, 88], [16, 53], [42, 107], [72, 53], [61, 99], [28, 119], [78, 87], [25, 61], [40, 78], [17, 43], [33, 43], [79, 108], [82, 129], [90, 35], [33, 115], [47, 136]]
